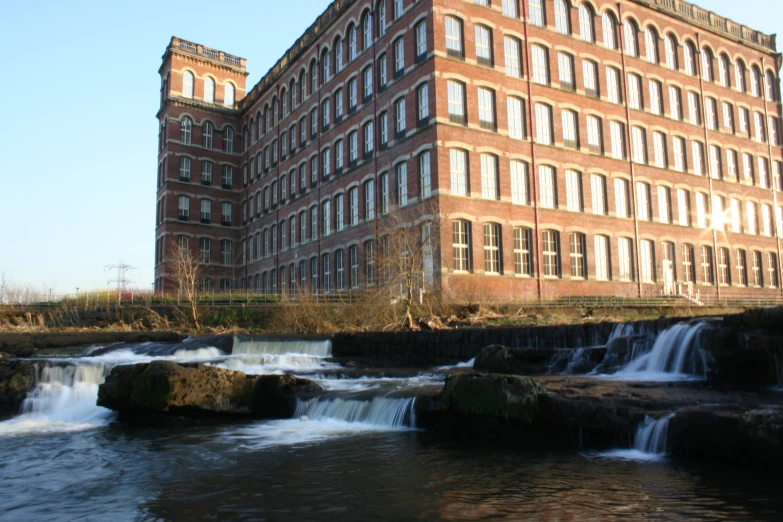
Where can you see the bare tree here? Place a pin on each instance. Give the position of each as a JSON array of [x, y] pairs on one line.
[[405, 261], [5, 288], [185, 269]]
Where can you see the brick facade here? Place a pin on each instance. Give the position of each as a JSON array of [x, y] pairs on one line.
[[539, 200]]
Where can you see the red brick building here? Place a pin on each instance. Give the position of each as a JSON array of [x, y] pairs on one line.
[[589, 148]]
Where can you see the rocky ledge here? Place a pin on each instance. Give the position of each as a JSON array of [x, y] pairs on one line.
[[579, 412], [164, 388], [17, 377]]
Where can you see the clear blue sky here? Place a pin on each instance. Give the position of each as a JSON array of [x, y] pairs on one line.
[[78, 136]]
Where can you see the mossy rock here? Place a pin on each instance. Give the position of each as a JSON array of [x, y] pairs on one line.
[[496, 395]]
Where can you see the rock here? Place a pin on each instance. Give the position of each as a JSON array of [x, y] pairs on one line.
[[742, 359], [504, 396], [751, 437], [524, 361], [17, 377], [27, 344], [194, 390]]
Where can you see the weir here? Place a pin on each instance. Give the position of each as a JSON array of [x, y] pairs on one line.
[[255, 346], [378, 411], [676, 353]]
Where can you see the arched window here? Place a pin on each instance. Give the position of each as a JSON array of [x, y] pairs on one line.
[[283, 102], [367, 30], [207, 135], [338, 55], [228, 98], [670, 45], [461, 245], [578, 254], [723, 71], [492, 253], [755, 81], [209, 90], [313, 77], [302, 85], [292, 90], [770, 81], [381, 10], [550, 248], [739, 74], [228, 140], [186, 130], [352, 43], [706, 65], [651, 44], [562, 17], [275, 110], [609, 32], [630, 32], [586, 28], [689, 52], [187, 84]]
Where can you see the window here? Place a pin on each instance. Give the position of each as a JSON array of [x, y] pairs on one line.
[[425, 175], [766, 220], [509, 8], [664, 204], [740, 263], [187, 84], [339, 269], [639, 143], [670, 46], [573, 190], [523, 254], [396, 9], [209, 90], [369, 200], [734, 215], [617, 137], [744, 121], [590, 78], [383, 123], [675, 103], [540, 64], [520, 188], [694, 108], [643, 211], [772, 269], [486, 106], [651, 44], [423, 98], [369, 139], [688, 268], [381, 9], [701, 210], [353, 206], [314, 222], [227, 179], [339, 212], [562, 22], [598, 193], [402, 184], [327, 273], [570, 129], [602, 258], [184, 168], [716, 166], [630, 33], [609, 31], [207, 133], [761, 135], [226, 214], [183, 209], [384, 182], [656, 100], [399, 111], [461, 245], [622, 209], [382, 72], [353, 147], [459, 173], [550, 248], [353, 259], [421, 41], [536, 11], [659, 150], [547, 187], [228, 97], [697, 151], [544, 124], [680, 163], [613, 85], [647, 261], [706, 265], [489, 177], [758, 277], [512, 54], [456, 102], [565, 67], [586, 29], [206, 211], [492, 248], [711, 113], [226, 256], [454, 37], [516, 120], [595, 135], [484, 45], [577, 254], [683, 208], [739, 76], [369, 261], [624, 252], [635, 92], [205, 249], [186, 130], [399, 57]]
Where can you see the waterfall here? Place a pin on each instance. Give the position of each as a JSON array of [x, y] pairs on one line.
[[651, 435], [675, 354], [63, 400], [244, 346], [379, 411]]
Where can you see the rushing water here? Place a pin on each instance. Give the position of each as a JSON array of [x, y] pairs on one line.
[[649, 442], [353, 454]]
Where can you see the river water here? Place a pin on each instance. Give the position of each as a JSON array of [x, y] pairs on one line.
[[355, 455]]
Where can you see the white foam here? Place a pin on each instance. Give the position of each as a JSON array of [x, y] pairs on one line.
[[466, 364]]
